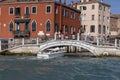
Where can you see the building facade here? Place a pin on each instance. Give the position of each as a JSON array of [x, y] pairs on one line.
[[115, 24], [26, 18], [95, 17]]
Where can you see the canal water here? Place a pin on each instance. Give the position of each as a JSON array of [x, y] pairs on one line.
[[64, 68]]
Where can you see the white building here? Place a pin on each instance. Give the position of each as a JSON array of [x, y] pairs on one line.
[[95, 17]]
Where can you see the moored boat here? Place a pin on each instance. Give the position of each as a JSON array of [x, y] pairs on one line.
[[51, 53]]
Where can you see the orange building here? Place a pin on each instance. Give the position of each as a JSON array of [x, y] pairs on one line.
[[25, 18]]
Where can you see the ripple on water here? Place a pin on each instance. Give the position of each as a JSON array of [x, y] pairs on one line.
[[26, 68]]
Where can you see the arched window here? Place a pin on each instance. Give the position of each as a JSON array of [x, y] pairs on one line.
[[71, 29], [11, 27], [33, 26], [66, 28], [48, 26], [56, 28]]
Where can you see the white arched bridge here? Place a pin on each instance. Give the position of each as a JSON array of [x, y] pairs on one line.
[[94, 49]]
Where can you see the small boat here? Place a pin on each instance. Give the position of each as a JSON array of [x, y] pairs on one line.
[[51, 53]]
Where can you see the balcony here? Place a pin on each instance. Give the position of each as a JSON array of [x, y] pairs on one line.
[[26, 15], [17, 15], [25, 33]]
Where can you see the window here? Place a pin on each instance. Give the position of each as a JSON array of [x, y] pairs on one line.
[[104, 8], [71, 30], [108, 18], [11, 27], [83, 28], [103, 18], [93, 6], [48, 26], [26, 26], [11, 10], [63, 12], [34, 10], [99, 29], [33, 26], [48, 9], [66, 12], [100, 7], [18, 26], [104, 29], [84, 8], [17, 11], [92, 28], [56, 28], [99, 18], [66, 28], [81, 8], [84, 17], [93, 17], [56, 10], [72, 15], [84, 0], [27, 10]]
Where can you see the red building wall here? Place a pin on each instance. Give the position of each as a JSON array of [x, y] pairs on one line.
[[40, 18]]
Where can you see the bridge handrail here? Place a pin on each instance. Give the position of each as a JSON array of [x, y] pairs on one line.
[[80, 41]]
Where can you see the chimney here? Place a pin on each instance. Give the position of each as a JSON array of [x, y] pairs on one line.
[[101, 0], [64, 1], [60, 1], [71, 4]]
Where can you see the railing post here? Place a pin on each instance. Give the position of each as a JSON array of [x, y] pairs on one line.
[[98, 41], [78, 36], [115, 42], [55, 35], [119, 43], [23, 41], [37, 41], [0, 45]]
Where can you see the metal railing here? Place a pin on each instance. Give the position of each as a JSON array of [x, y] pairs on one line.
[[25, 33]]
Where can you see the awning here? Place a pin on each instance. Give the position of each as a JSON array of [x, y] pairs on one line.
[[22, 20]]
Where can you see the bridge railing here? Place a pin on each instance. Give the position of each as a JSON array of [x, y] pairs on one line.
[[38, 41]]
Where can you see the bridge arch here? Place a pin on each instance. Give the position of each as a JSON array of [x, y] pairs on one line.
[[55, 43]]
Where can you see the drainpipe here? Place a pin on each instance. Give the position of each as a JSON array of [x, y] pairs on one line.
[[60, 1], [64, 1]]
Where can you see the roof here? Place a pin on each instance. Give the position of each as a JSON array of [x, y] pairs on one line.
[[7, 1], [115, 15], [36, 1], [114, 29], [92, 1]]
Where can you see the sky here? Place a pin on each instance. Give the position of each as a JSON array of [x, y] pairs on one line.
[[115, 6]]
